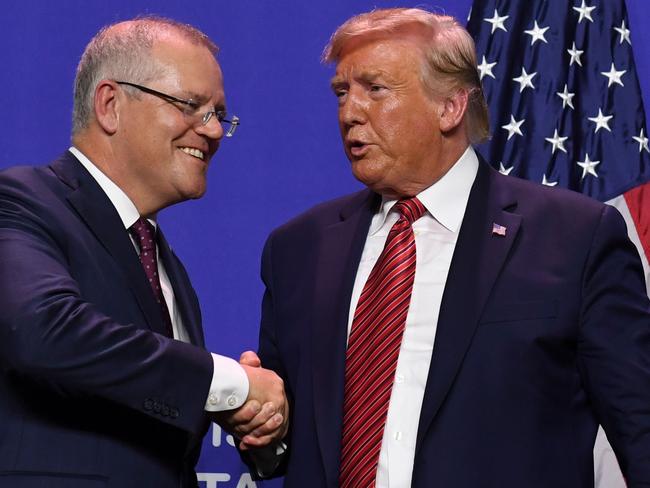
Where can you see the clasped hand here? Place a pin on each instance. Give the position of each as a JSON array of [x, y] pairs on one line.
[[264, 418]]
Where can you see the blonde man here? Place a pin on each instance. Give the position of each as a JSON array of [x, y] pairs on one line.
[[435, 329]]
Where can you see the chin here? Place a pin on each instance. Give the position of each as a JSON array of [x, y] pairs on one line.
[[366, 174], [194, 190], [197, 193]]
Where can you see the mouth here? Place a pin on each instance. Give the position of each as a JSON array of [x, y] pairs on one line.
[[357, 148], [192, 151]]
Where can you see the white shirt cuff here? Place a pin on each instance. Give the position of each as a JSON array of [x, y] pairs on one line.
[[229, 386]]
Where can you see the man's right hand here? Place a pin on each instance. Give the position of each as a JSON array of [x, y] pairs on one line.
[[263, 419]]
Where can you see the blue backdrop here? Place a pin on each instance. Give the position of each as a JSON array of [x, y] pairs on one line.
[[285, 157]]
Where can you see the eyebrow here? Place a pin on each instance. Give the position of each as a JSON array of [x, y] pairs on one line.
[[366, 76], [201, 99], [336, 81]]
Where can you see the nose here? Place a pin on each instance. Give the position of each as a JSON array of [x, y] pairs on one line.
[[212, 130], [353, 109]]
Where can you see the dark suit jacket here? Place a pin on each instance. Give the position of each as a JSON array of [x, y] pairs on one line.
[[543, 334], [90, 395]]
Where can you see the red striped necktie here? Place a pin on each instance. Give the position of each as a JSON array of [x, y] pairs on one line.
[[373, 349]]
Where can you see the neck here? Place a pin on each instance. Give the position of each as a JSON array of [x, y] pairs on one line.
[[104, 156]]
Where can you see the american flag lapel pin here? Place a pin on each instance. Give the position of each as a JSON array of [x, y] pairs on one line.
[[498, 230]]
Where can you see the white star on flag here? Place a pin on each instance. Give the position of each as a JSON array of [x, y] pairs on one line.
[[642, 140], [585, 12], [503, 170], [546, 182], [613, 76], [497, 22], [588, 167], [575, 55], [566, 97], [537, 34], [485, 68], [601, 121], [557, 141], [525, 80], [513, 127], [624, 32]]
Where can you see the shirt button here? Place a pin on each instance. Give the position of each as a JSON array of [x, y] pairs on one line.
[[398, 436], [232, 401], [213, 399], [399, 378]]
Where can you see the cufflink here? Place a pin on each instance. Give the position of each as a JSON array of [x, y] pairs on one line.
[[232, 401], [213, 399]]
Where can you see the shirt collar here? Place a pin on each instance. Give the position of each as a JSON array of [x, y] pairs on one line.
[[446, 199], [125, 207]]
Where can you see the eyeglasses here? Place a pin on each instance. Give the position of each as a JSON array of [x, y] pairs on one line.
[[190, 109]]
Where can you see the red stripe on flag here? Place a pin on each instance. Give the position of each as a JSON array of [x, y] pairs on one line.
[[638, 202]]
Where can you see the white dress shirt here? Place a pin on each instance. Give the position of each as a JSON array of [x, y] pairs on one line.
[[229, 386], [436, 233]]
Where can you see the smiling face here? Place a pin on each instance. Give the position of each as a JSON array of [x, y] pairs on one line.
[[389, 124], [164, 153]]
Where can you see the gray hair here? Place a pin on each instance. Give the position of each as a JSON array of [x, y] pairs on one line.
[[122, 51], [449, 54]]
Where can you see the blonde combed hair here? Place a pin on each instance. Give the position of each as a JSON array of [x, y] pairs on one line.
[[449, 55]]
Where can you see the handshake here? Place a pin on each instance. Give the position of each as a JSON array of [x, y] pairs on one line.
[[264, 418]]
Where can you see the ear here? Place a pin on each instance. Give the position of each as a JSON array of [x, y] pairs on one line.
[[453, 110], [107, 106]]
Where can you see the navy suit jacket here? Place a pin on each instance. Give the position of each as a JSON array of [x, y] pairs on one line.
[[91, 393], [543, 334]]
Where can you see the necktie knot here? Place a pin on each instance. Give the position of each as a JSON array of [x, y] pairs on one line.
[[144, 234], [411, 209]]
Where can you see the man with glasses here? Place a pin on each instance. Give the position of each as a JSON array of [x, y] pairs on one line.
[[105, 381]]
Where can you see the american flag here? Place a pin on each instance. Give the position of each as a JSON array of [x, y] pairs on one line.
[[498, 230], [565, 105]]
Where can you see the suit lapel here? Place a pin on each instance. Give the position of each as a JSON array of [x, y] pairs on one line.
[[340, 248], [183, 291], [478, 257], [99, 215]]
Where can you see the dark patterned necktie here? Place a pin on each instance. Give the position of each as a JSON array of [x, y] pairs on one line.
[[145, 237], [373, 349]]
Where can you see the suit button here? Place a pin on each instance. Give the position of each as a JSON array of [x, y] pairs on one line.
[[148, 404], [174, 413], [165, 410], [156, 407]]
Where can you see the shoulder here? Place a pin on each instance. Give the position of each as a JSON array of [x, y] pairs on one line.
[[327, 213], [20, 176], [32, 198], [26, 186], [37, 182], [536, 199]]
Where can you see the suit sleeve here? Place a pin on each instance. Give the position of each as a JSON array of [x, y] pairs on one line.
[[268, 463], [614, 345], [51, 335]]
